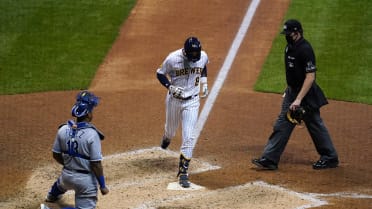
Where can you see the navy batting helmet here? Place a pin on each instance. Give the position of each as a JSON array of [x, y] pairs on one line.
[[292, 25], [85, 102], [192, 48]]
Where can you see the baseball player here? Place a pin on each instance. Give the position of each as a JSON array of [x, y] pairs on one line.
[[302, 91], [77, 147], [187, 70]]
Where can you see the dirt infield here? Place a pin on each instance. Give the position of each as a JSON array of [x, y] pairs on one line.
[[131, 115]]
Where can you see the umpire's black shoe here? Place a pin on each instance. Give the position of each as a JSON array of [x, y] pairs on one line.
[[165, 143], [323, 164], [265, 164]]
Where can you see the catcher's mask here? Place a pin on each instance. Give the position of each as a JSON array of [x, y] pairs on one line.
[[290, 26], [85, 102], [192, 49]]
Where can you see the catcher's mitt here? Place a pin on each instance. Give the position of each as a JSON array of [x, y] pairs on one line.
[[296, 116]]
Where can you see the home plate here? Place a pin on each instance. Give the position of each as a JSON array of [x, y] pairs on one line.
[[177, 186]]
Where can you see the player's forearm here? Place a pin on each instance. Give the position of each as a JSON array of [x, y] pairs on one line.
[[163, 80], [97, 169], [204, 72], [58, 157]]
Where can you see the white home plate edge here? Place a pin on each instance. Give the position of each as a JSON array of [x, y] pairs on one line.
[[177, 186]]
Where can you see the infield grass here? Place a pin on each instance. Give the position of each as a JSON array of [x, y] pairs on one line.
[[55, 45], [340, 32], [58, 45]]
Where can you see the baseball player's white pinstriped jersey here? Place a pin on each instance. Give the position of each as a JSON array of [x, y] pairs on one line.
[[185, 74]]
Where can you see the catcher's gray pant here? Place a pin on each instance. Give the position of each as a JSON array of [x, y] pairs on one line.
[[282, 130], [85, 186]]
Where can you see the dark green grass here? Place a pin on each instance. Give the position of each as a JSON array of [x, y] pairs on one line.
[[51, 45], [340, 32]]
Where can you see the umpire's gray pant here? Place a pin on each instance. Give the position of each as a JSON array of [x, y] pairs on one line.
[[282, 130]]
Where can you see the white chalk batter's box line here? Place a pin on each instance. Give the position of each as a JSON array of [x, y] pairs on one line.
[[314, 198]]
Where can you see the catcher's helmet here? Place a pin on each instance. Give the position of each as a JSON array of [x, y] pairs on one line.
[[290, 26], [85, 102], [192, 49]]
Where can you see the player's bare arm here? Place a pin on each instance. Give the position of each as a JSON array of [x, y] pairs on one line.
[[58, 157], [97, 169]]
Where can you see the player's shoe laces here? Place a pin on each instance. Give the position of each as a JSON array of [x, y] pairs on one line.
[[51, 198], [184, 180], [165, 143]]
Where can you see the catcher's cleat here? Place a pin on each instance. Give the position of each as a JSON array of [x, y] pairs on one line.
[[51, 198], [42, 206], [184, 180], [165, 142], [323, 164], [264, 163]]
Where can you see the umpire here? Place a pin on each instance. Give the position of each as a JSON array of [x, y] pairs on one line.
[[303, 91]]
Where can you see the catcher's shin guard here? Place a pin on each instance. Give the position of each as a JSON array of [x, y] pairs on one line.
[[182, 172], [55, 193]]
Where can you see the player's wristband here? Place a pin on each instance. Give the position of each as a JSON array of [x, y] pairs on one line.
[[101, 181], [163, 80], [203, 80]]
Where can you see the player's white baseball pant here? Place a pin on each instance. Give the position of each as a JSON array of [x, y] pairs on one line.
[[186, 112]]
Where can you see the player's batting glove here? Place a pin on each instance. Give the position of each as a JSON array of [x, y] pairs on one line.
[[205, 90], [176, 91]]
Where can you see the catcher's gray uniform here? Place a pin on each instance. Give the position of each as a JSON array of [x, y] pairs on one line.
[[77, 145]]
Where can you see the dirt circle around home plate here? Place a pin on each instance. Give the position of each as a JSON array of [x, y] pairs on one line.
[[131, 114]]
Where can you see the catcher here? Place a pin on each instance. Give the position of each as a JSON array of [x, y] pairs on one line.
[[302, 101], [77, 147]]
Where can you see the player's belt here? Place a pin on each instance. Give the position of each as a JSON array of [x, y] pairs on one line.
[[189, 97], [77, 171]]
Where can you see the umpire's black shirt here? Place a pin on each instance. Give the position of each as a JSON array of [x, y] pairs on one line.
[[300, 59]]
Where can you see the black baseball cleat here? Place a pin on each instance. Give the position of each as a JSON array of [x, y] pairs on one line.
[[51, 198], [324, 164], [184, 181], [165, 143], [264, 163]]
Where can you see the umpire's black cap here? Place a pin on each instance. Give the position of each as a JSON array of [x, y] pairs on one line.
[[290, 26]]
